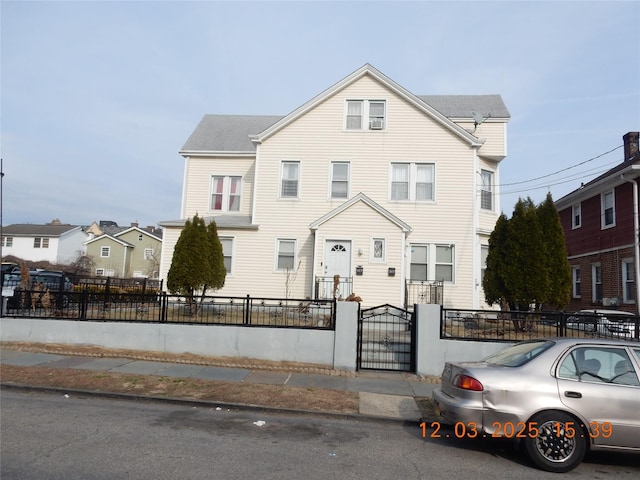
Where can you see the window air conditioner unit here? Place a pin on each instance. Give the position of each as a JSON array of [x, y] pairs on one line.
[[376, 125]]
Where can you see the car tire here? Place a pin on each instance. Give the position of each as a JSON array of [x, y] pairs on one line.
[[554, 448]]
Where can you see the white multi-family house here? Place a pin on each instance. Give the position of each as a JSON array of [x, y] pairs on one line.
[[366, 189], [53, 242]]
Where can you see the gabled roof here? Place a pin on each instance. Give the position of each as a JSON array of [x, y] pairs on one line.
[[140, 230], [361, 197], [607, 180], [234, 134], [106, 236], [32, 230]]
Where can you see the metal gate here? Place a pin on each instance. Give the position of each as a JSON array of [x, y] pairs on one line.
[[386, 339]]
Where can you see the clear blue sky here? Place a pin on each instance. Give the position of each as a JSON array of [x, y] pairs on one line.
[[98, 97]]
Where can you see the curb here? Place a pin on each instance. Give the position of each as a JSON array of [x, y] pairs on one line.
[[205, 404]]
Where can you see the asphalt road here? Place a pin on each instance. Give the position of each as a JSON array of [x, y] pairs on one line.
[[46, 437]]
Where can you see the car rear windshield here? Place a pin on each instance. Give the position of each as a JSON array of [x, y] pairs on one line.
[[518, 354]]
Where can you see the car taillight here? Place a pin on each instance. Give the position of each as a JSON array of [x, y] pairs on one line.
[[466, 382]]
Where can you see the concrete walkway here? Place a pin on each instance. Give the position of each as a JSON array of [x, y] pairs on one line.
[[382, 394]]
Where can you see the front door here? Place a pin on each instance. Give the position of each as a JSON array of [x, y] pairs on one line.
[[337, 261]]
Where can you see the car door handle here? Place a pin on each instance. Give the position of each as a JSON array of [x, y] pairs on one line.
[[571, 394]]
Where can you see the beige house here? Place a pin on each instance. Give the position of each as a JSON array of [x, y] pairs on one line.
[[390, 191], [132, 252]]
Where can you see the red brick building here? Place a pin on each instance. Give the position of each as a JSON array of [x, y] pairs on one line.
[[600, 221]]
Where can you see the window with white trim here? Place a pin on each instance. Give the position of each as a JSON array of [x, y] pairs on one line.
[[575, 281], [105, 251], [286, 255], [104, 272], [225, 193], [596, 283], [432, 262], [289, 179], [227, 252], [628, 281], [339, 179], [7, 241], [148, 253], [40, 242], [412, 181], [378, 250], [486, 190], [374, 111], [484, 253], [608, 209], [576, 215]]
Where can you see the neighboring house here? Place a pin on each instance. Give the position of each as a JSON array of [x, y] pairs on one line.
[[53, 242], [131, 252], [389, 190], [600, 221]]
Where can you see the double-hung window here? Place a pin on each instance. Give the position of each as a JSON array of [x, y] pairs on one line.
[[7, 241], [432, 262], [608, 210], [628, 282], [596, 283], [373, 111], [286, 255], [105, 252], [412, 181], [576, 216], [39, 242], [339, 179], [290, 178], [575, 281], [486, 190], [148, 253], [225, 193], [227, 252]]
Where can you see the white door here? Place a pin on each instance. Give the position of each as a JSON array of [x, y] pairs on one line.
[[337, 261]]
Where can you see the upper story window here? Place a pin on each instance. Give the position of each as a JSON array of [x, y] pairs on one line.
[[7, 241], [339, 179], [148, 253], [608, 210], [365, 115], [289, 179], [576, 216], [225, 193], [39, 242], [105, 251], [486, 190], [412, 181]]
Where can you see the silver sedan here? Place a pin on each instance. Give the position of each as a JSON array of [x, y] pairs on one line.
[[559, 397]]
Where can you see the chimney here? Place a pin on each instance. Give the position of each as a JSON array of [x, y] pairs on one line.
[[134, 224], [630, 145]]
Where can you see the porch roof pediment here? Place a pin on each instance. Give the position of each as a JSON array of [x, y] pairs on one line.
[[361, 197]]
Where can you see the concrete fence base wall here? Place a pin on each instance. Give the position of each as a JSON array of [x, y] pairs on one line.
[[335, 349]]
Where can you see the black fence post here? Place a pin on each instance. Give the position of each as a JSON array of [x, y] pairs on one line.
[[84, 298], [247, 309]]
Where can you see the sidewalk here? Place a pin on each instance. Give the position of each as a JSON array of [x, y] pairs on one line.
[[388, 395]]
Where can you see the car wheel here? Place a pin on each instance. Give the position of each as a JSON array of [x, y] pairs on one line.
[[560, 444]]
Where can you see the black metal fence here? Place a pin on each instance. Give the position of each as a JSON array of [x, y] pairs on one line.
[[421, 292], [510, 326], [164, 308], [332, 287]]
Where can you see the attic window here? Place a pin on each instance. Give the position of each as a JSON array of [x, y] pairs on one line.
[[374, 111]]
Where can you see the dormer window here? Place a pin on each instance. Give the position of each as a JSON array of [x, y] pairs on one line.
[[365, 115]]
